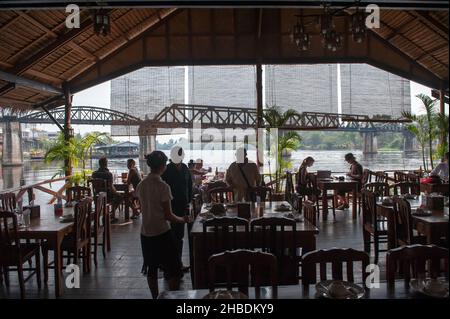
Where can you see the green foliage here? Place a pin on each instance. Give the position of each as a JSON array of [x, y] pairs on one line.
[[287, 142]]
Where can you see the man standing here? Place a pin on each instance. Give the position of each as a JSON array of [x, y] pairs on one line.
[[178, 177], [242, 175]]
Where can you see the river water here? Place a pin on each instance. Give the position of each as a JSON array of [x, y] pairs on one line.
[[34, 171]]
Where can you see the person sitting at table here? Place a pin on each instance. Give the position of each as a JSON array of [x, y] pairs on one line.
[[242, 175], [441, 169], [133, 179], [356, 173], [112, 194], [303, 178], [159, 246]]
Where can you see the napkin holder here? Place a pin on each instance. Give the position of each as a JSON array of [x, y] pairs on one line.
[[243, 210], [35, 211]]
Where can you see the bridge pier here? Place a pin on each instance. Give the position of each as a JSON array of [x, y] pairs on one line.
[[147, 144], [370, 143], [12, 154], [408, 142]]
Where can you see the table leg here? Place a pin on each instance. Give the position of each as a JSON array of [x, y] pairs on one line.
[[127, 207], [108, 231], [324, 204], [58, 265], [392, 241], [354, 203]]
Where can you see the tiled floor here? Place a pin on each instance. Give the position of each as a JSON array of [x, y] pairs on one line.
[[119, 275]]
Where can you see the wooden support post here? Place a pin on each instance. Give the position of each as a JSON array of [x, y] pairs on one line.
[[443, 136], [68, 132], [259, 115]]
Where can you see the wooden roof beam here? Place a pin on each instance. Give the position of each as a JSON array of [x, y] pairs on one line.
[[4, 101], [431, 23], [21, 81], [7, 88]]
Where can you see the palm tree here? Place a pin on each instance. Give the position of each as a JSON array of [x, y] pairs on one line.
[[429, 105], [441, 123], [418, 128], [286, 142]]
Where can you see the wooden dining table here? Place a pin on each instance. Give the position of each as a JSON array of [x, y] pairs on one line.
[[434, 188], [400, 290], [124, 190], [49, 227], [305, 236], [433, 227], [345, 185]]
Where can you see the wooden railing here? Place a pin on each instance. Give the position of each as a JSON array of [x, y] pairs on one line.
[[29, 189]]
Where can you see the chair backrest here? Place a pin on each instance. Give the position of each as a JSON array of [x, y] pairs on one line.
[[289, 188], [264, 192], [366, 176], [8, 201], [76, 193], [400, 176], [402, 188], [277, 235], [8, 233], [309, 212], [381, 177], [296, 202], [403, 222], [224, 235], [369, 209], [336, 257], [221, 194], [82, 225], [417, 261], [100, 211], [238, 264], [378, 188]]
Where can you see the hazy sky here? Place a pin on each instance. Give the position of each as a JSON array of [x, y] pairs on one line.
[[100, 96]]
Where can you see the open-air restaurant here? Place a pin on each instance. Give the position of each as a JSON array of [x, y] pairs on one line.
[[229, 151]]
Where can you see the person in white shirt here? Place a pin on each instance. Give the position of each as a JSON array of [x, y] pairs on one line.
[[242, 175], [157, 239], [442, 169]]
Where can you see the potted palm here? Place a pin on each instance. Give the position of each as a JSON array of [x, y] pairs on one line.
[[287, 142]]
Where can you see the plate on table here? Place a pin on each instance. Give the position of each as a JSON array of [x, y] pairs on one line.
[[225, 294], [422, 213], [295, 217], [338, 289], [282, 208], [430, 287]]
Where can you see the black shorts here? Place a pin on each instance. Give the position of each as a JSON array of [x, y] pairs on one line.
[[161, 252]]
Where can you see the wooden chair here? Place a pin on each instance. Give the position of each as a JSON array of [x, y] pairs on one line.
[[8, 202], [77, 193], [13, 253], [366, 176], [317, 195], [416, 261], [373, 226], [264, 192], [237, 263], [297, 202], [277, 235], [378, 188], [100, 226], [100, 186], [221, 234], [402, 188], [78, 243], [309, 212], [221, 194], [400, 176], [404, 230], [289, 187], [336, 257]]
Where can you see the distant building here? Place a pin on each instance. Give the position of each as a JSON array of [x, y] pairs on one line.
[[119, 150]]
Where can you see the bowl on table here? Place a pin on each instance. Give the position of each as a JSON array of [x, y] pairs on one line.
[[66, 218], [430, 287], [421, 212], [387, 201], [282, 208], [338, 289]]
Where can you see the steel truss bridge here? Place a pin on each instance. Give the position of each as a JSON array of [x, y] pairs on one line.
[[205, 116]]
